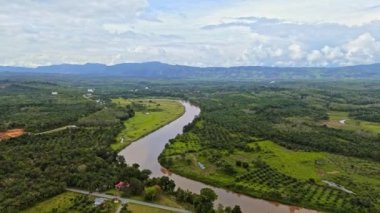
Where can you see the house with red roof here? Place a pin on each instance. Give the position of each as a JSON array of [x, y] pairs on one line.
[[120, 185]]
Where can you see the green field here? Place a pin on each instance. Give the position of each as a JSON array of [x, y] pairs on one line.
[[135, 208], [62, 202], [71, 202], [163, 199], [150, 114], [351, 123], [166, 200], [286, 175]]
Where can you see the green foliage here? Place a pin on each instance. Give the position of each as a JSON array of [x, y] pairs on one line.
[[31, 105], [228, 139], [41, 166], [150, 115], [125, 209], [208, 194], [109, 116], [59, 203], [85, 204], [152, 192], [290, 117], [236, 117], [166, 184]]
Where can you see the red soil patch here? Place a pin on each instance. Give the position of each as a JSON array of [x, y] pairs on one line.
[[12, 133]]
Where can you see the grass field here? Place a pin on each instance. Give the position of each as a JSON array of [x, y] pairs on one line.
[[163, 199], [135, 208], [150, 115], [351, 123], [62, 202], [286, 170]]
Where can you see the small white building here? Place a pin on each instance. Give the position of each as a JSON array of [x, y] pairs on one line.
[[99, 201], [201, 165], [54, 93], [90, 90]]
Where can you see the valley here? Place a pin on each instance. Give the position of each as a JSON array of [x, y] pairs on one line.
[[281, 143], [158, 106]]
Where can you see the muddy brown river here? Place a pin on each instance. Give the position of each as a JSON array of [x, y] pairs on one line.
[[146, 150]]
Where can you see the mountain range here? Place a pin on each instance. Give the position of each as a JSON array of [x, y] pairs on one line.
[[157, 70]]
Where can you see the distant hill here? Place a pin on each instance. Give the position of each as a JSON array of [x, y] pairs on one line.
[[159, 70]]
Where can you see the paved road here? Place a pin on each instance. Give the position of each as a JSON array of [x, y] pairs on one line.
[[127, 200], [119, 208]]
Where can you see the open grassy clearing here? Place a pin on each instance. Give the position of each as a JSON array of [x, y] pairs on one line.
[[150, 114], [135, 208], [62, 201], [274, 172], [71, 202], [163, 199], [341, 120]]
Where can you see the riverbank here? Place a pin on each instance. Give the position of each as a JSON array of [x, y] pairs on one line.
[[266, 170], [146, 150], [227, 184], [150, 115]]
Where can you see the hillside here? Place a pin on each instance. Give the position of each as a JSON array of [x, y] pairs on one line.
[[157, 70]]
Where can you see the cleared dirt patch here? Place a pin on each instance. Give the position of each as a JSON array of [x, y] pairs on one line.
[[334, 124], [12, 133]]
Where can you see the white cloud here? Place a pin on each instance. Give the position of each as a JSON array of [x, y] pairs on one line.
[[204, 33], [314, 57], [117, 28], [364, 48], [361, 50], [348, 12], [296, 52], [333, 54]]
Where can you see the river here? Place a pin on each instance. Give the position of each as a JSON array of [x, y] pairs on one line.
[[146, 150]]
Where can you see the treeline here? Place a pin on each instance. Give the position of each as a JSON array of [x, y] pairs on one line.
[[368, 114], [287, 116], [109, 116], [152, 188]]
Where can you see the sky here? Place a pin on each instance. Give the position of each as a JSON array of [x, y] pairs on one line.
[[197, 32]]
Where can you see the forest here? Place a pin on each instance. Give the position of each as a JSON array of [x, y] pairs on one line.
[[237, 121], [246, 134], [47, 158], [37, 166]]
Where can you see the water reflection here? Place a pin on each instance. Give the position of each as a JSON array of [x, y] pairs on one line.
[[146, 150]]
